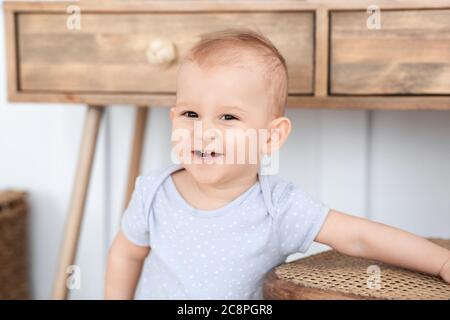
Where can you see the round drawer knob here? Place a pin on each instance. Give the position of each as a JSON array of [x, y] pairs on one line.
[[161, 52]]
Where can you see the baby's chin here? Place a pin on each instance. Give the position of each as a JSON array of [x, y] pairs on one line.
[[215, 173], [207, 173]]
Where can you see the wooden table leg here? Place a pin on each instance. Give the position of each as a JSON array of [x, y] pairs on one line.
[[78, 200], [136, 151]]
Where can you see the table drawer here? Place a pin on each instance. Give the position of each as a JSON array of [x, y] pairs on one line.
[[109, 53], [409, 54]]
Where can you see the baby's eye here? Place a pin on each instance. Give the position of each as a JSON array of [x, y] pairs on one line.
[[228, 117], [190, 114]]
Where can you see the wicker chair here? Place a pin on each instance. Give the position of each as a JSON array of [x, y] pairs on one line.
[[331, 275]]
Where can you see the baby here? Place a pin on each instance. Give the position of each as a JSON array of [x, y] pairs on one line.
[[212, 224]]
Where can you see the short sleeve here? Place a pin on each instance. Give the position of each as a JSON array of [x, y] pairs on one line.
[[299, 219], [134, 220]]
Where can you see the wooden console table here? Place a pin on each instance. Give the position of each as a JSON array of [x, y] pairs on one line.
[[127, 52]]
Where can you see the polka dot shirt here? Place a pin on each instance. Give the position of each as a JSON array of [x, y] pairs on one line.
[[217, 254]]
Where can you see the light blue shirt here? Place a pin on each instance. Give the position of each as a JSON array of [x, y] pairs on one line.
[[217, 254]]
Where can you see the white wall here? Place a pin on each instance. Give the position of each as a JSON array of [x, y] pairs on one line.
[[391, 166]]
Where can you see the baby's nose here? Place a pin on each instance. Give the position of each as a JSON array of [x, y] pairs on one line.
[[206, 129], [210, 134]]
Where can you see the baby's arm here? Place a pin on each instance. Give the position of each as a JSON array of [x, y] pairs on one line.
[[125, 262], [364, 238]]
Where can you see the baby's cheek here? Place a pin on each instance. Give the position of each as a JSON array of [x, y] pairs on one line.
[[245, 146]]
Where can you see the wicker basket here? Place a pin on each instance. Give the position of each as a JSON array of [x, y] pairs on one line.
[[13, 245]]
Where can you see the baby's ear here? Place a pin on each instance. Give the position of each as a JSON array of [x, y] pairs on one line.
[[278, 132], [171, 112]]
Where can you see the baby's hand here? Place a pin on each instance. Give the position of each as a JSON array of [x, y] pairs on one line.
[[445, 271]]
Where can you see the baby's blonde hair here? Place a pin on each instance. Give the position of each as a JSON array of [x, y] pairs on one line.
[[228, 47]]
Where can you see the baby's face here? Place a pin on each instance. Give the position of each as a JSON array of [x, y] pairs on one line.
[[229, 104]]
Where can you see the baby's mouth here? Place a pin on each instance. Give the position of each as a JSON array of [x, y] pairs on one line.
[[206, 154]]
